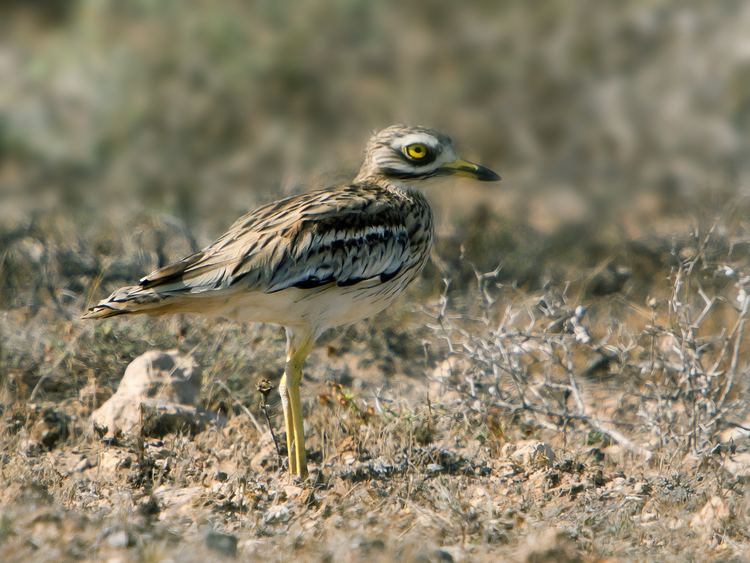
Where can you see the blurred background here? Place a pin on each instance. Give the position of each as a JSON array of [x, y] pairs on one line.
[[133, 132]]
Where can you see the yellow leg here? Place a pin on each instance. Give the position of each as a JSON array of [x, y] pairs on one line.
[[299, 459], [288, 423], [297, 351]]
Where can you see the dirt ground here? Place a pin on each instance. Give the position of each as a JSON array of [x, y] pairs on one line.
[[493, 423]]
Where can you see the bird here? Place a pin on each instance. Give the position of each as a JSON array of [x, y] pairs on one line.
[[313, 261]]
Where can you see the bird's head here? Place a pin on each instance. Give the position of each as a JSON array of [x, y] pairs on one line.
[[416, 153]]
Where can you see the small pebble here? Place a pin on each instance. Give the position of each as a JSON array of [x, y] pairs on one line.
[[119, 538], [222, 543], [443, 556], [82, 465], [434, 469]]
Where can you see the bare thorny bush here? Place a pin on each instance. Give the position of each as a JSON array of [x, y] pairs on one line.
[[667, 376]]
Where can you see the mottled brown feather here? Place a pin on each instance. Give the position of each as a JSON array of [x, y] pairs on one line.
[[358, 232], [343, 252]]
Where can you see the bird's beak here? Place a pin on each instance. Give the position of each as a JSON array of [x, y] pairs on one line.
[[465, 168]]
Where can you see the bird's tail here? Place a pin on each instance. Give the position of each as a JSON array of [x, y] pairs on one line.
[[130, 300]]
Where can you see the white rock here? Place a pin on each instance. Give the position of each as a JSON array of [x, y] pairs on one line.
[[278, 513], [738, 465], [159, 389], [710, 517], [530, 452]]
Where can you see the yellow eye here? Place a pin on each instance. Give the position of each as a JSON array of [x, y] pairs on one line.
[[416, 151]]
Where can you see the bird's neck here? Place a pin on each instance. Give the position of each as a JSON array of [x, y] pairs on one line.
[[397, 184]]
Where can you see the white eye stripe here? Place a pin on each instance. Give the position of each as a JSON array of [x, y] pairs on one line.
[[422, 138]]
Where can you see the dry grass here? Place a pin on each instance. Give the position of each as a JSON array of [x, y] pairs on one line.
[[588, 399], [426, 440]]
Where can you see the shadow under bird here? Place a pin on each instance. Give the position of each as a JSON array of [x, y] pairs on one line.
[[313, 261]]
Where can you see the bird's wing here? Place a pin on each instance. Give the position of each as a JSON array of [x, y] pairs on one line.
[[342, 236]]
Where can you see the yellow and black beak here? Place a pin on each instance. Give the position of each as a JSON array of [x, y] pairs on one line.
[[465, 168]]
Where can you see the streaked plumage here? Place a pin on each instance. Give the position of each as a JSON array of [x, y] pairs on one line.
[[361, 239], [312, 261]]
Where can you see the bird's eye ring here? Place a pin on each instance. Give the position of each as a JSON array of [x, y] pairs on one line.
[[416, 151]]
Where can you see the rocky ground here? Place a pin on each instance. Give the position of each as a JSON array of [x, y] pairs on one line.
[[532, 429]]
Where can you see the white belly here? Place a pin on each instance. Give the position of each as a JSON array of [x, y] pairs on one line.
[[317, 309]]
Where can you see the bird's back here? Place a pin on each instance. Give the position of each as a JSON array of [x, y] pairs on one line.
[[318, 259]]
